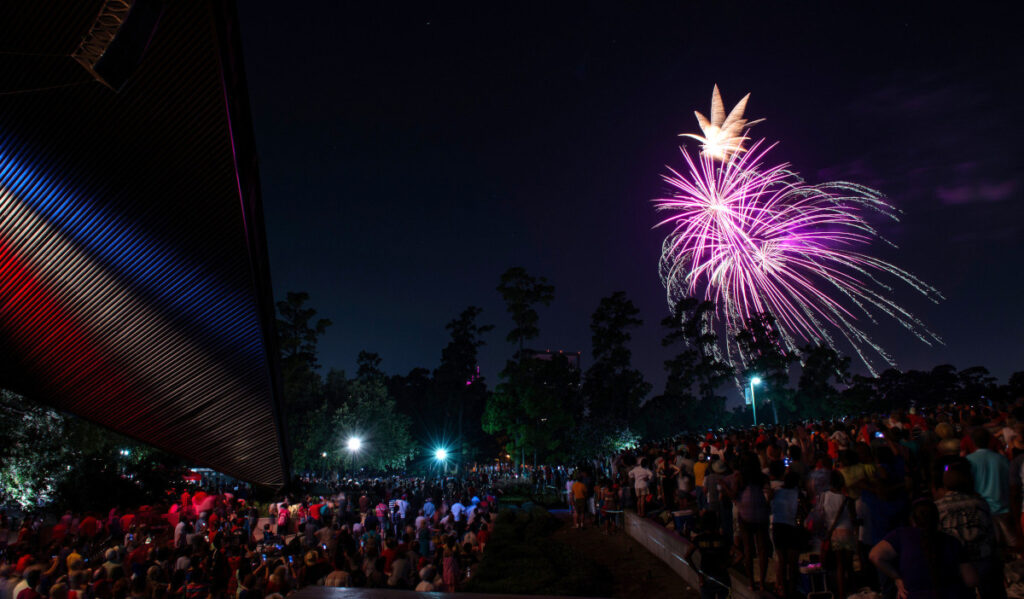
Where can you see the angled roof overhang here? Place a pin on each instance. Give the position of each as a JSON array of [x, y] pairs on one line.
[[134, 285]]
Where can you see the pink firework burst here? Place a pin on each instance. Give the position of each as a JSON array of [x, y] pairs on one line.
[[753, 237]]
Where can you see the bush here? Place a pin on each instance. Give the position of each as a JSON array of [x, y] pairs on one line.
[[522, 558]]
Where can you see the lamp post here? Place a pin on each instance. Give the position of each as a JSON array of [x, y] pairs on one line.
[[753, 402]]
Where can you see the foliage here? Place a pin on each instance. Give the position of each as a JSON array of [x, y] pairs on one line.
[[695, 366], [459, 389], [823, 368], [522, 558], [538, 401], [54, 458], [536, 408], [612, 387], [762, 351], [371, 416], [521, 292], [33, 457], [594, 440], [298, 331]]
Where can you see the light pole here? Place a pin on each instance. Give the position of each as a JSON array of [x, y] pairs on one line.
[[753, 402]]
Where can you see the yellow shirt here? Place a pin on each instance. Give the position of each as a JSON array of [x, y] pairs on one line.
[[699, 469], [74, 555], [579, 490]]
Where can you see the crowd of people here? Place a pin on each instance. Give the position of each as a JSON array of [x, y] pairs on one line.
[[916, 504], [399, 534]]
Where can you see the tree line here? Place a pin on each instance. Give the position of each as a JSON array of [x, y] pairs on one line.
[[544, 409]]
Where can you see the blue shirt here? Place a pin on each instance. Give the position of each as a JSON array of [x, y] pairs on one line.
[[991, 473]]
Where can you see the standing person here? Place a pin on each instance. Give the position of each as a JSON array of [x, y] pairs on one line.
[[459, 516], [609, 503], [714, 558], [754, 513], [991, 472], [282, 519], [700, 468], [840, 543], [668, 473], [966, 517], [924, 562], [641, 476], [579, 501], [718, 495], [785, 504]]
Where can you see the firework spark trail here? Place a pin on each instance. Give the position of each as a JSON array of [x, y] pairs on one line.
[[754, 238]]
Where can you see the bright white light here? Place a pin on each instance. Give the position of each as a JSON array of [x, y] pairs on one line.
[[441, 455], [323, 454], [723, 135], [755, 381], [354, 443]]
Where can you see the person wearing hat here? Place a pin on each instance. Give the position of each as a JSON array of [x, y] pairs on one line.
[[717, 491]]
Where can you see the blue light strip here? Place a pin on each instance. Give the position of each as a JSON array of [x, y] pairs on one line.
[[147, 265]]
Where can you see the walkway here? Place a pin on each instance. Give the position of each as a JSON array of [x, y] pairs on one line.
[[637, 572]]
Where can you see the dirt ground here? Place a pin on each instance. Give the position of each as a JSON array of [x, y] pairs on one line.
[[637, 573]]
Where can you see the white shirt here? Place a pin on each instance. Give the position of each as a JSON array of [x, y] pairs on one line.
[[179, 529], [457, 511], [640, 476], [183, 563], [830, 503]]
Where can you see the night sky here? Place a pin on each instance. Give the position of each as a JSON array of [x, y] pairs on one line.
[[410, 154]]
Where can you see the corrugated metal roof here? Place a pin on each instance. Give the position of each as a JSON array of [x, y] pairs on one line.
[[134, 288]]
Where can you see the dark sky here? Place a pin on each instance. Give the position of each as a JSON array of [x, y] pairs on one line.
[[409, 154]]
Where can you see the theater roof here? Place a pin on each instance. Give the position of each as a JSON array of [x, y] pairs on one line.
[[134, 286]]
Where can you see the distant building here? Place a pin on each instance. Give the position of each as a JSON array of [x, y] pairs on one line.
[[573, 357]]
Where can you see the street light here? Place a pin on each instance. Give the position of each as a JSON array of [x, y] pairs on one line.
[[323, 454], [753, 402], [441, 454], [354, 443]]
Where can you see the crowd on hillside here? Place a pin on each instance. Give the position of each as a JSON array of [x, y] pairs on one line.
[[917, 504], [398, 534]]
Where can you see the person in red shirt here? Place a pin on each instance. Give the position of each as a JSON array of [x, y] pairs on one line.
[[89, 527], [314, 512], [483, 536], [59, 531]]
